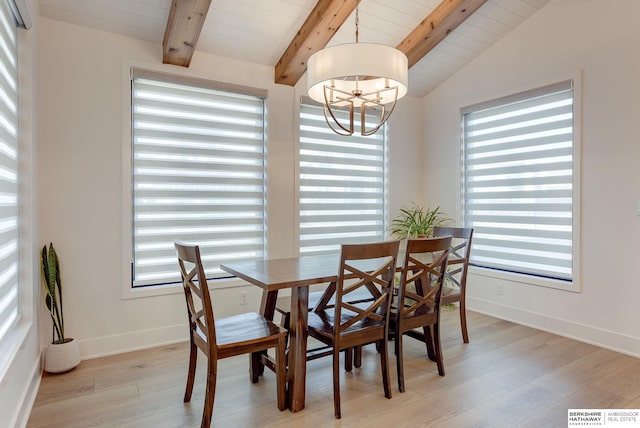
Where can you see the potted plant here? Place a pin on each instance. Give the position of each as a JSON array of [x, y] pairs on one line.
[[63, 354], [417, 222]]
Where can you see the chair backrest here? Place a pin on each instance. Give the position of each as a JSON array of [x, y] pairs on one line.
[[196, 292], [458, 254], [423, 274], [371, 266]]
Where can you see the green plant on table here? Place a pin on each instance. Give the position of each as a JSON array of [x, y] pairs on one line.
[[53, 292], [417, 221]]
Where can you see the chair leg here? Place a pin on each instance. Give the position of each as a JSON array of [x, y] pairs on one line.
[[255, 362], [438, 348], [191, 375], [336, 383], [384, 363], [348, 359], [463, 321], [399, 361], [210, 393], [281, 372], [357, 356]]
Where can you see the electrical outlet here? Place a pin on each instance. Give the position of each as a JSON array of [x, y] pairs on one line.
[[243, 298], [499, 289]]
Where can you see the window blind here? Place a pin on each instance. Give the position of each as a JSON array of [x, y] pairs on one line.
[[9, 220], [342, 185], [198, 176], [518, 182]]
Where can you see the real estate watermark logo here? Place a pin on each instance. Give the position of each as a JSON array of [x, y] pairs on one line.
[[603, 417]]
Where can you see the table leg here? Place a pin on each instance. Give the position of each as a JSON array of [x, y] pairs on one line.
[[267, 309], [296, 375], [429, 341]]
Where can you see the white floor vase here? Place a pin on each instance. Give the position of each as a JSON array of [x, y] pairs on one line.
[[62, 357]]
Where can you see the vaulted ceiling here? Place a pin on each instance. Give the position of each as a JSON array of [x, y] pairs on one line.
[[438, 36]]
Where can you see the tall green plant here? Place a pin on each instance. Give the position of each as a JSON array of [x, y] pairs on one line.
[[53, 291], [417, 221]]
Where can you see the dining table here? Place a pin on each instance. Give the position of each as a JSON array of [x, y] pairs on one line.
[[296, 274]]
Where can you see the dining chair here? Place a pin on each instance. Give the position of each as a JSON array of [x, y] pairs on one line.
[[455, 289], [326, 299], [418, 301], [346, 325], [225, 337]]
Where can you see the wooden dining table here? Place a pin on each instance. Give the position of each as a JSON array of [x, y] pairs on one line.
[[296, 274]]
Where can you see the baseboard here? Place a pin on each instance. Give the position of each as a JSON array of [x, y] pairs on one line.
[[144, 339], [30, 394], [611, 340], [132, 341]]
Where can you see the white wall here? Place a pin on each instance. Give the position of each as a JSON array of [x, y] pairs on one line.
[[83, 116], [598, 39]]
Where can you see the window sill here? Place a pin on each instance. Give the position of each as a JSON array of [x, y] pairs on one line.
[[162, 290], [526, 279]]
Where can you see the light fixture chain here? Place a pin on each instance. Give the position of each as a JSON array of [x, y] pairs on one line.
[[356, 92], [357, 21]]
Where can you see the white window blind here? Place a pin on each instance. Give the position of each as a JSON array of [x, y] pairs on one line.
[[9, 220], [342, 185], [518, 182], [198, 175]]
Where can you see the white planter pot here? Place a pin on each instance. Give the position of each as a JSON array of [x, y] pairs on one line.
[[62, 357]]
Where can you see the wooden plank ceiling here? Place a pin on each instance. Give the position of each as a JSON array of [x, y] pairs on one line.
[[187, 17]]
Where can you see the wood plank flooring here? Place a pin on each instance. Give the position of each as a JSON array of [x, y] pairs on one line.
[[507, 376]]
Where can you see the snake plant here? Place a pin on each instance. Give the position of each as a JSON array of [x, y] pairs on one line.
[[53, 291]]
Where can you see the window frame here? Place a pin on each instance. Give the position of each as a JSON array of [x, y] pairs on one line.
[[128, 291], [305, 100], [575, 284], [28, 274]]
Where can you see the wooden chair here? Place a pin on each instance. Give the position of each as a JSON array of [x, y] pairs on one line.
[[225, 337], [455, 289], [348, 325], [326, 299], [418, 302]]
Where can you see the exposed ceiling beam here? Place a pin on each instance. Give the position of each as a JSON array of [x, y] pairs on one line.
[[328, 15], [435, 27], [184, 25], [321, 24]]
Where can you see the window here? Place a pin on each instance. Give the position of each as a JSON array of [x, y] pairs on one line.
[[342, 185], [198, 158], [518, 186], [9, 174]]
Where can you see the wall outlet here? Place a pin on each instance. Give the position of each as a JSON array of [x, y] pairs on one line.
[[243, 298], [499, 289]]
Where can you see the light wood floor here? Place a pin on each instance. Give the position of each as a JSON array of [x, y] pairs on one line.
[[508, 376]]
